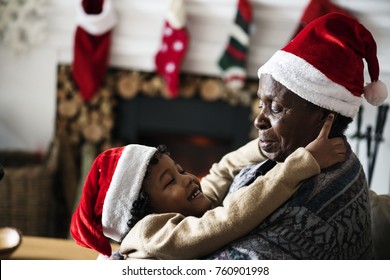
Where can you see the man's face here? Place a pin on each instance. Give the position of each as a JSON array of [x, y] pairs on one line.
[[286, 121], [171, 189]]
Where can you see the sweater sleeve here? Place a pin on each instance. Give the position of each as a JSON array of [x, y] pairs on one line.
[[173, 236], [216, 184]]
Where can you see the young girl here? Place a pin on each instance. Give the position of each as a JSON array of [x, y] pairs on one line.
[[139, 197]]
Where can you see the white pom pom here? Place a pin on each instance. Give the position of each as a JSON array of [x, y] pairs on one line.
[[375, 93]]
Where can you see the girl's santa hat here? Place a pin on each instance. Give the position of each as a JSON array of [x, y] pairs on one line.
[[111, 187], [323, 64]]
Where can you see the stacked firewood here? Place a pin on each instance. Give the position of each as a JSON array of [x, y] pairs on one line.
[[93, 121]]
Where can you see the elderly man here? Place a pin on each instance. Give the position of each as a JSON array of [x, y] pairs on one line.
[[318, 72]]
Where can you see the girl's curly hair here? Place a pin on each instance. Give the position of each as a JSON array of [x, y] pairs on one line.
[[141, 207]]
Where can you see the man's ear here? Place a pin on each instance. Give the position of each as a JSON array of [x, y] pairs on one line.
[[322, 114], [325, 113]]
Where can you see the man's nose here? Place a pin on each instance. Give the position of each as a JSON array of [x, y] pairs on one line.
[[261, 122]]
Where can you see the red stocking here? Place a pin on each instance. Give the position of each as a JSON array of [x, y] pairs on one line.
[[173, 47], [92, 45]]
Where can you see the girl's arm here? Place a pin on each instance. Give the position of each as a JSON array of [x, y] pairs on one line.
[[216, 184]]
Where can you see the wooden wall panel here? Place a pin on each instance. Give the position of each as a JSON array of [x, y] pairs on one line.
[[137, 36]]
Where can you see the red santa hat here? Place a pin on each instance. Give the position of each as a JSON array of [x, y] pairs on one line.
[[317, 8], [323, 64], [112, 185]]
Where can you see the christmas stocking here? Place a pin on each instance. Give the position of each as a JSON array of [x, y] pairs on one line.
[[315, 9], [233, 60], [95, 19], [173, 47]]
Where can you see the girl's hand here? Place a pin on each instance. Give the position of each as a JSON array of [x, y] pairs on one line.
[[327, 151]]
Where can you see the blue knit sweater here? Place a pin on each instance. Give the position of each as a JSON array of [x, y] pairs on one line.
[[327, 218]]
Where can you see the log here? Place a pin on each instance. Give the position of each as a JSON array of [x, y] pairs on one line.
[[153, 86], [211, 90], [129, 85], [68, 108], [189, 87], [93, 133]]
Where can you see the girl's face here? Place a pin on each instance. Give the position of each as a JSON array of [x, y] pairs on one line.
[[171, 189]]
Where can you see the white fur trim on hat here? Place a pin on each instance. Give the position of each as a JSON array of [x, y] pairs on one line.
[[308, 82], [176, 15], [124, 189], [96, 24]]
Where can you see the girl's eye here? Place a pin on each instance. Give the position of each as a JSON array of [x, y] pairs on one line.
[[180, 169], [261, 105], [170, 182]]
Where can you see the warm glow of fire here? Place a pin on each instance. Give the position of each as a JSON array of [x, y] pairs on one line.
[[201, 140]]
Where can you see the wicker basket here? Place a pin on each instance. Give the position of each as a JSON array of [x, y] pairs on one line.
[[26, 191]]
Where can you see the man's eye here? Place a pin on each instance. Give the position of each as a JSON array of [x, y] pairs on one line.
[[276, 108]]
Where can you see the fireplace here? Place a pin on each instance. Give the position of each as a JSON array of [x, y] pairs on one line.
[[129, 108], [196, 132]]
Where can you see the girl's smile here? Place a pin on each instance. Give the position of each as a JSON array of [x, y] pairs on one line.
[[171, 189]]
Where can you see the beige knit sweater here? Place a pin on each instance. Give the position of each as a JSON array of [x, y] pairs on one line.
[[174, 236]]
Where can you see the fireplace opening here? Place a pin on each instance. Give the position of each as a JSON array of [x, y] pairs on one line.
[[194, 153], [197, 132]]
